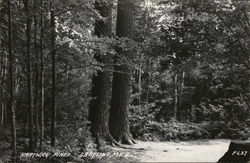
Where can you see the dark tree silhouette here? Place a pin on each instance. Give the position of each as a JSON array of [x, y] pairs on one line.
[[41, 77], [11, 78], [29, 70], [118, 121], [99, 106], [53, 56]]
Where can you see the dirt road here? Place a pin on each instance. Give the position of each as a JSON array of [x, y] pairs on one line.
[[191, 151]]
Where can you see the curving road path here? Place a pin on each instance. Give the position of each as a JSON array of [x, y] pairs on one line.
[[191, 151]]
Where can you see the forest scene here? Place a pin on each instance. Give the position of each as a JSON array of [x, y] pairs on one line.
[[141, 80]]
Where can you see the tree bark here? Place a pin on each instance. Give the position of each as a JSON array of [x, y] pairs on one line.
[[36, 72], [118, 121], [29, 71], [175, 96], [149, 79], [41, 78], [140, 83], [183, 81], [3, 82], [99, 106], [4, 68], [11, 78], [53, 56], [1, 75]]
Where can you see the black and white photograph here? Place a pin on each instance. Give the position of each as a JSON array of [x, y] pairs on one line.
[[106, 81]]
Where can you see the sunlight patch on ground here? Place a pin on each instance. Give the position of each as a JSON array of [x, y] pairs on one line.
[[191, 151]]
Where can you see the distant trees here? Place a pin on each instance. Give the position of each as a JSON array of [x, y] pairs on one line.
[[28, 44]]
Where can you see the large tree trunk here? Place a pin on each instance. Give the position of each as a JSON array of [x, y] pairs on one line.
[[118, 121], [53, 56], [41, 79], [99, 106], [29, 68], [11, 78]]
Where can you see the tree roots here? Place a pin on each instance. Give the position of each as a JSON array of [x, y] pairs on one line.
[[103, 139], [127, 139]]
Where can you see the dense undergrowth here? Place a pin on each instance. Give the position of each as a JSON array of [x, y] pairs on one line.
[[173, 130], [217, 124]]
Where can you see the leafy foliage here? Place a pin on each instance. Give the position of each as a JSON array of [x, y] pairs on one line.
[[206, 40], [204, 44]]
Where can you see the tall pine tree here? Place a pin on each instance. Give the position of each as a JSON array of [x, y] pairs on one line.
[[99, 106], [118, 121]]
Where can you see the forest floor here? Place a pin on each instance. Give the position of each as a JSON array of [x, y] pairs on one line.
[[190, 151]]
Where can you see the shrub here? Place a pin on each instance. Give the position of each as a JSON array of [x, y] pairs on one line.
[[173, 130]]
